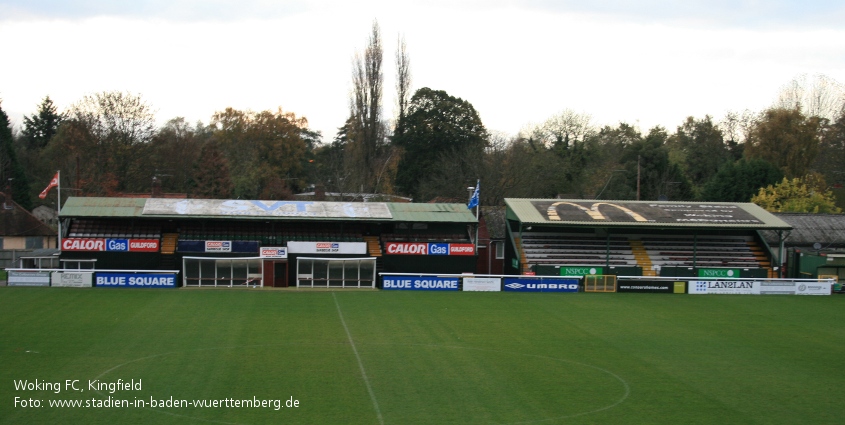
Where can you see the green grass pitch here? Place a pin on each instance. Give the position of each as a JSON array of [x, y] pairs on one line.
[[368, 357]]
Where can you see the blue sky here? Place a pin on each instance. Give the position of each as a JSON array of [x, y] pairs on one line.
[[518, 62]]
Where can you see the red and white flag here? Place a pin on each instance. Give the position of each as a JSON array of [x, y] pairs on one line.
[[53, 183]]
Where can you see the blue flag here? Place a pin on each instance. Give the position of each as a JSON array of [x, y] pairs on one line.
[[473, 201]]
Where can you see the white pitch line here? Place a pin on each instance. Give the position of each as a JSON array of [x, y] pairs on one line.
[[360, 363]]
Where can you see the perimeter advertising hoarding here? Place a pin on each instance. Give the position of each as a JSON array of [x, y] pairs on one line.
[[72, 279], [521, 284], [653, 287], [736, 287], [813, 288], [483, 284], [773, 287], [641, 212], [420, 283], [136, 280], [28, 278]]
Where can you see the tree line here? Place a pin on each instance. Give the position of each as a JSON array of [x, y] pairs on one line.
[[432, 148]]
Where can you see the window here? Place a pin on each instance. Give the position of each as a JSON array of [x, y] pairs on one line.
[[222, 271], [335, 272], [500, 250]]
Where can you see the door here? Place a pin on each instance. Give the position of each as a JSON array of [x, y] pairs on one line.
[[280, 272]]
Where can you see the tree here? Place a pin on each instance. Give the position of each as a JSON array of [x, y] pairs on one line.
[[659, 177], [807, 194], [260, 146], [819, 96], [437, 124], [739, 181], [367, 132], [103, 139], [175, 144], [403, 83], [564, 135], [211, 174], [786, 138], [39, 129], [11, 169], [831, 159], [699, 147]]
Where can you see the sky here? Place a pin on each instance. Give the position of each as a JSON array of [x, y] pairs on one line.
[[645, 63]]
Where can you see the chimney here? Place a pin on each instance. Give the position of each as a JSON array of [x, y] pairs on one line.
[[156, 193]]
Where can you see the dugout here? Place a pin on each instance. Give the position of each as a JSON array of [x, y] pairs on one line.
[[269, 243], [641, 238]]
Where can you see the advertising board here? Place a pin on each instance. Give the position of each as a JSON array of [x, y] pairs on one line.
[[72, 279], [580, 271], [483, 284], [653, 287], [420, 283], [428, 248], [736, 287], [16, 278], [716, 273], [218, 246], [327, 247], [114, 245], [135, 280], [813, 288], [273, 252], [762, 287], [522, 284]]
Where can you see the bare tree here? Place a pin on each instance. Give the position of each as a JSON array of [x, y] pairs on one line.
[[403, 82], [566, 127], [818, 96], [366, 136]]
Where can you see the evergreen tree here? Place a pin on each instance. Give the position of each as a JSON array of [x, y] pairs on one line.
[[739, 181], [11, 167], [39, 128]]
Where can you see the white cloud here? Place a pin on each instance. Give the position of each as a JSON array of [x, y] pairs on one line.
[[514, 64]]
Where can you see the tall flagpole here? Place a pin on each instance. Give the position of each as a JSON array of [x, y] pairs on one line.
[[477, 208], [59, 209]]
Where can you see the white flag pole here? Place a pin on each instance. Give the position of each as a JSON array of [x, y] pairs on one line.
[[59, 209]]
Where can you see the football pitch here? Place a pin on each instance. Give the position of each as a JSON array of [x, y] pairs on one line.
[[239, 356]]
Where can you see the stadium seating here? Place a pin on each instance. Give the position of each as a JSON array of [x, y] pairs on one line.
[[644, 250]]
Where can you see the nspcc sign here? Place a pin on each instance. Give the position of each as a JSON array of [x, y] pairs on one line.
[[540, 285], [718, 273], [580, 271], [135, 280], [420, 283]]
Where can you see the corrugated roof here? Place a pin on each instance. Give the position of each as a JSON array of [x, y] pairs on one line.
[[589, 213], [437, 212], [134, 207], [102, 207], [808, 229]]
